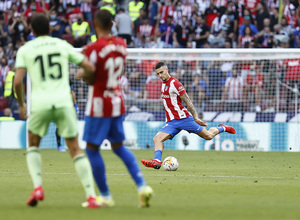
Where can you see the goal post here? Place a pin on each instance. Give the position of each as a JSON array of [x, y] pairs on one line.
[[255, 90]]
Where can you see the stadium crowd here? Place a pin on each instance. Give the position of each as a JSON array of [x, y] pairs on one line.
[[171, 24]]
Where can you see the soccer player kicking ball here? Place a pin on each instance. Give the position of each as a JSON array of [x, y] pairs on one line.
[[178, 118], [105, 108], [47, 61]]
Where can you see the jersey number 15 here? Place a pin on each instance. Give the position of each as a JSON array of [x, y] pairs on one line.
[[50, 64]]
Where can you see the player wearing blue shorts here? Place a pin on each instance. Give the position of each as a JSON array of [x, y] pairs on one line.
[[177, 116], [105, 109]]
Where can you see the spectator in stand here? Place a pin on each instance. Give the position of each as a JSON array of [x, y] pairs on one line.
[[80, 31], [266, 39], [166, 31], [239, 9], [3, 32], [218, 22], [230, 29], [4, 69], [251, 6], [290, 14], [153, 11], [9, 92], [262, 13], [166, 11], [219, 40], [86, 8], [152, 92], [187, 8], [134, 8], [203, 5], [246, 38], [211, 13], [201, 32], [233, 18], [7, 115], [145, 30], [291, 67], [19, 29], [108, 5], [200, 91], [72, 13], [32, 9], [136, 79], [247, 23], [54, 23], [297, 37], [285, 27], [274, 17], [215, 77], [182, 33], [233, 92], [254, 83], [64, 24], [124, 25], [139, 21], [177, 14]]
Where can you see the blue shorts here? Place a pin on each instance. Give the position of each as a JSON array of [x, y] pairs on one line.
[[176, 125], [98, 129]]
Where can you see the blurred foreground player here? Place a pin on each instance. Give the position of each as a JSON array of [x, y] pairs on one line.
[[105, 108], [177, 116], [47, 60]]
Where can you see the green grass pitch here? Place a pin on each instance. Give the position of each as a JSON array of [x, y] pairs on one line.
[[207, 185]]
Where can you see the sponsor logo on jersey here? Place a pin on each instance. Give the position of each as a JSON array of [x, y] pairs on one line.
[[165, 96], [180, 88]]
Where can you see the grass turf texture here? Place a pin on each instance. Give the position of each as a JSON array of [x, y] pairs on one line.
[[207, 185]]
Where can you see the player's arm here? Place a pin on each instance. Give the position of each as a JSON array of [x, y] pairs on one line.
[[192, 109], [86, 72], [18, 86]]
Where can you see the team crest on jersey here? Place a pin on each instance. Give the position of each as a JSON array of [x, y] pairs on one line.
[[110, 42], [166, 88]]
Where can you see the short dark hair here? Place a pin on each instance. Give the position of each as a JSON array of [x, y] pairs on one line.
[[103, 19], [160, 64], [40, 24]]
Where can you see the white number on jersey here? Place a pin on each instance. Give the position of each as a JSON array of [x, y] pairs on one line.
[[115, 68]]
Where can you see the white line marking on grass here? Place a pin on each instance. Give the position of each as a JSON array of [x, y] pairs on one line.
[[167, 175]]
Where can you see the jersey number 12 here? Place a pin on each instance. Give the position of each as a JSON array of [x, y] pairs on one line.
[[115, 68]]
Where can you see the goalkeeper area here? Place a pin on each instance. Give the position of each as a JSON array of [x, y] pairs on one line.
[[207, 185], [254, 90]]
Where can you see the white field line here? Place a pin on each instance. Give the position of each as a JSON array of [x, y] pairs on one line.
[[165, 175]]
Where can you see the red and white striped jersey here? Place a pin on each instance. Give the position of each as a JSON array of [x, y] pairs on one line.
[[105, 97], [170, 94], [235, 87]]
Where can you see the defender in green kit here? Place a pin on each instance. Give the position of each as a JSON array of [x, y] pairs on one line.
[[47, 61]]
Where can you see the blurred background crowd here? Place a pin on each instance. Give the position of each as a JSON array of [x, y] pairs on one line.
[[169, 24]]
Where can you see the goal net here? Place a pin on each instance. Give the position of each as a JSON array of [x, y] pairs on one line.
[[255, 90]]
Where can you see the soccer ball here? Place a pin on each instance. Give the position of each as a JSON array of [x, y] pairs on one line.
[[170, 163]]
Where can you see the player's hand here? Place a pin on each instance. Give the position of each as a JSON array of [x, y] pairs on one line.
[[79, 74], [23, 112], [200, 122]]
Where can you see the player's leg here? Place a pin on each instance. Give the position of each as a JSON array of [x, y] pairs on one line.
[[116, 137], [213, 131], [165, 133], [95, 131], [38, 123], [58, 141], [66, 122]]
